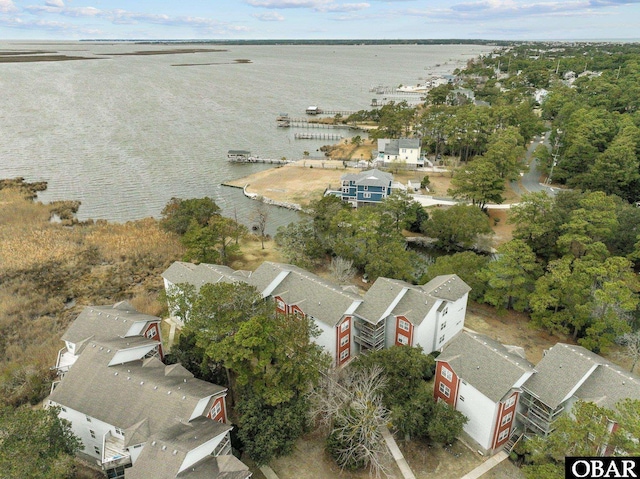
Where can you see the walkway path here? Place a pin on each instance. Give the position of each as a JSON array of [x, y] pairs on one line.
[[407, 473], [172, 332], [486, 465]]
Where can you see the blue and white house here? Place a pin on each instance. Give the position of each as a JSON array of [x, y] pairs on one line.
[[368, 187]]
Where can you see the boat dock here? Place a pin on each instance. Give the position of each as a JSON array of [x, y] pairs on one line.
[[318, 136], [244, 156], [315, 110]]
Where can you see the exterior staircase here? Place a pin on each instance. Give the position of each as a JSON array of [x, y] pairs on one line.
[[514, 439]]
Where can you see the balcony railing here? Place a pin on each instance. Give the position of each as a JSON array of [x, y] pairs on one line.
[[224, 447], [114, 453]]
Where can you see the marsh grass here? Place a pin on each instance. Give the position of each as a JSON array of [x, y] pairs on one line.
[[50, 270]]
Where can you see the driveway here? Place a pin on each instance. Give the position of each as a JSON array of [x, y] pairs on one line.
[[530, 181]]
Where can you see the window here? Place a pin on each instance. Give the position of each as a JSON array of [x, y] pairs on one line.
[[119, 431], [93, 433], [344, 355], [88, 418], [404, 325], [344, 341], [96, 449], [298, 314], [344, 326], [366, 195], [365, 188], [151, 332], [503, 435], [280, 304], [506, 419], [444, 389], [441, 340], [446, 373], [461, 398], [403, 339], [443, 325], [445, 311], [63, 409], [216, 409], [345, 190], [591, 436], [510, 402]]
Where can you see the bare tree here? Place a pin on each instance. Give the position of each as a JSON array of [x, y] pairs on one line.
[[260, 217], [342, 269], [631, 342], [351, 405]]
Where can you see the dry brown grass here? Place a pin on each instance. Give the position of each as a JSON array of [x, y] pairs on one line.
[[253, 255], [50, 271]]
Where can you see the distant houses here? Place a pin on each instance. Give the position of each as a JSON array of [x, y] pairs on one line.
[[137, 417], [505, 397], [405, 150], [391, 313], [368, 187]]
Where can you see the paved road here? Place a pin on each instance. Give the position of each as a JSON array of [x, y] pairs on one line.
[[530, 181]]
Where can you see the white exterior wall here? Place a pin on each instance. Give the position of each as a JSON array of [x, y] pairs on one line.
[[200, 408], [410, 155], [425, 334], [481, 412], [327, 338], [81, 428], [390, 331], [453, 321], [201, 452]]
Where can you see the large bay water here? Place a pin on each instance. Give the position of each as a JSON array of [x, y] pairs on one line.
[[125, 133]]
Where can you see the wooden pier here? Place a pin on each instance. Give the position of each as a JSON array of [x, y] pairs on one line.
[[244, 156], [318, 136], [314, 110]]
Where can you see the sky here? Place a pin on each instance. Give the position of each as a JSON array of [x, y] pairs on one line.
[[320, 19]]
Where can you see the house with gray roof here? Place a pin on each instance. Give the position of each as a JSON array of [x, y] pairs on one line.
[[181, 272], [127, 407], [406, 150], [482, 379], [566, 374], [368, 187], [299, 292], [391, 313], [120, 320], [506, 398], [395, 312]]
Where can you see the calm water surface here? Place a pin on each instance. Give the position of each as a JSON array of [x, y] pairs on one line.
[[124, 134]]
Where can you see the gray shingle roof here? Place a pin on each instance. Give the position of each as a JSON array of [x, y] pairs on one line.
[[373, 177], [104, 322], [449, 287], [414, 303], [325, 301], [485, 364], [394, 146], [198, 275], [126, 395], [568, 370], [163, 455]]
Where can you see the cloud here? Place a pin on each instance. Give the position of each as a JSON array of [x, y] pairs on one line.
[[475, 11], [125, 17], [7, 6], [269, 17], [345, 7], [54, 3], [317, 5], [281, 4]]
